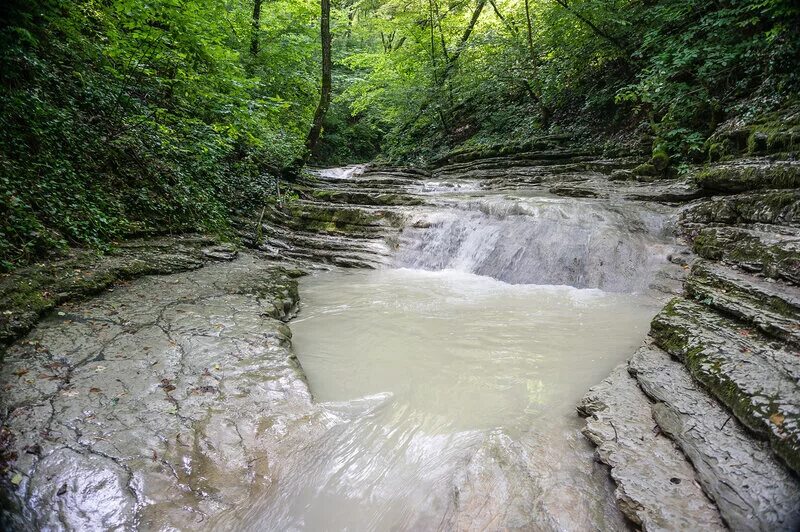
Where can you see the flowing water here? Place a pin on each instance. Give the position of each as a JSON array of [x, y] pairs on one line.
[[584, 243], [453, 377]]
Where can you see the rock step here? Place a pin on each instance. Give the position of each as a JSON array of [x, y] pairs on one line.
[[321, 240], [488, 169], [755, 378], [772, 307], [781, 207], [376, 182], [536, 149], [305, 257], [656, 486], [332, 218], [666, 191], [749, 175], [753, 491], [771, 250], [347, 250], [516, 181], [361, 197], [396, 171], [333, 242]]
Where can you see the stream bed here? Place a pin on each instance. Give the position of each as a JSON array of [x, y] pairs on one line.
[[454, 374], [448, 358]]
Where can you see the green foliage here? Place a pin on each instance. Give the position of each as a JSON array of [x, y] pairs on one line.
[[126, 117], [595, 66], [123, 116]]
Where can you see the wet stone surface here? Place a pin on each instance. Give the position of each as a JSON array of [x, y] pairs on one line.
[[748, 483], [29, 292], [656, 486], [159, 404]]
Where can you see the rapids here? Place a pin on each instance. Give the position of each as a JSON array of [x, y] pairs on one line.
[[452, 377]]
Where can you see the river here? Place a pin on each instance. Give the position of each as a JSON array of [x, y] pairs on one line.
[[457, 370]]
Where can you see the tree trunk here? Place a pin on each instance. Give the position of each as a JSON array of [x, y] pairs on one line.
[[510, 26], [531, 50], [535, 95], [254, 38], [467, 32], [325, 97], [592, 26]]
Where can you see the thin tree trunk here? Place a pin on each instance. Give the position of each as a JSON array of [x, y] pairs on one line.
[[433, 41], [535, 95], [254, 38], [467, 32], [593, 26], [529, 26], [325, 98], [511, 28]]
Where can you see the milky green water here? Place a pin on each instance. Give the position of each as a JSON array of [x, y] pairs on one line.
[[448, 361]]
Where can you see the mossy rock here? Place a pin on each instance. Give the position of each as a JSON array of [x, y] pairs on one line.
[[718, 151], [780, 207], [777, 132], [30, 292], [737, 366], [757, 143], [364, 198], [744, 177], [660, 160], [646, 170], [622, 175], [773, 255]]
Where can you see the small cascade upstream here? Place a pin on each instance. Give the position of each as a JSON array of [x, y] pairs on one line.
[[450, 380], [344, 172], [543, 240]]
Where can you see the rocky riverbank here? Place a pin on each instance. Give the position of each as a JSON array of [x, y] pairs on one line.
[[168, 401], [718, 380], [159, 403]]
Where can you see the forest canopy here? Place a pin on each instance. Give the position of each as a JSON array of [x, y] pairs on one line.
[[124, 117]]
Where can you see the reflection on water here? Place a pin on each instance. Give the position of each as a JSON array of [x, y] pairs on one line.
[[455, 397]]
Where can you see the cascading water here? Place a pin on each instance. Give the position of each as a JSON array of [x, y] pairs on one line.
[[344, 172], [543, 240], [450, 382]]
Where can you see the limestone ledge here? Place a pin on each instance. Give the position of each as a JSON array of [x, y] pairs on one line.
[[160, 404]]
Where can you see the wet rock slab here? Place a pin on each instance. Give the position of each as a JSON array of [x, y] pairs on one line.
[[756, 378], [752, 489], [157, 405], [773, 308], [656, 486], [30, 292]]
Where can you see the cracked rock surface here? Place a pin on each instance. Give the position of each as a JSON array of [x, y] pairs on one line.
[[751, 488], [720, 374], [157, 405], [656, 486]]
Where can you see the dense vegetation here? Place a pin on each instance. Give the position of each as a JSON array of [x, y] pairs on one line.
[[122, 116], [492, 71]]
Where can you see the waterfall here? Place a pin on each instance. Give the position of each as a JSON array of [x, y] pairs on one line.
[[343, 172], [542, 240]]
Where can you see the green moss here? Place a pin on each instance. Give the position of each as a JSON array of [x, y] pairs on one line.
[[28, 298], [660, 160], [743, 178], [31, 292], [707, 245], [782, 141], [646, 170], [757, 142]]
